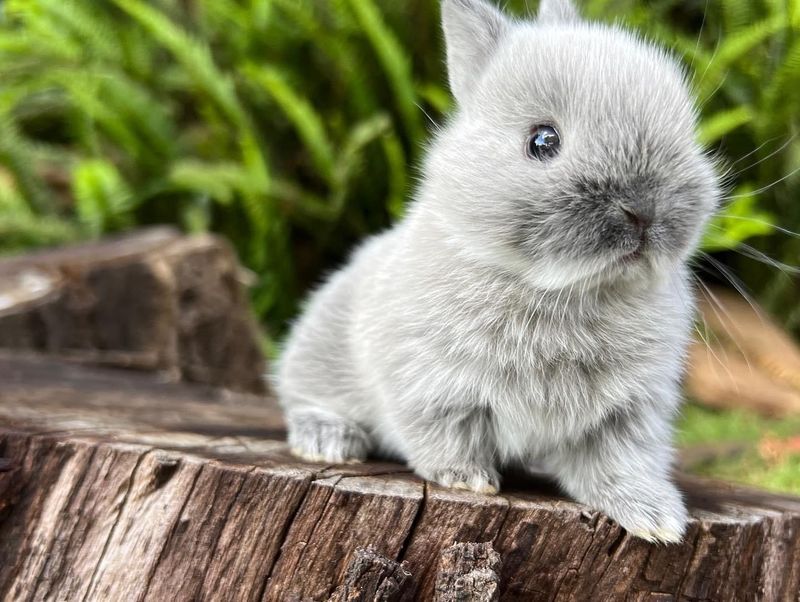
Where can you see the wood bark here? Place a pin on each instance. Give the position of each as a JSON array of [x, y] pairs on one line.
[[372, 576], [118, 486], [152, 300], [468, 572]]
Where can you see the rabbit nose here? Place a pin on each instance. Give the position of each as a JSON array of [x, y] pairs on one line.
[[639, 217]]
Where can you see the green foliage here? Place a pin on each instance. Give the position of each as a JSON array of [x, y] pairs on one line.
[[294, 127], [743, 431], [287, 126], [738, 221], [103, 200]]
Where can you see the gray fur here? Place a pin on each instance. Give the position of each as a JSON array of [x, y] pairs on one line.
[[498, 322]]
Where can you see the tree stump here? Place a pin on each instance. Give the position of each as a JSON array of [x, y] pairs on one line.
[[116, 485], [148, 483], [152, 300]]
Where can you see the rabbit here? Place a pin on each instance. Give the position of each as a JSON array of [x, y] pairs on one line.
[[534, 305]]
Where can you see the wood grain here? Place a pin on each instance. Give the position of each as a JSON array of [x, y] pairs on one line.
[[116, 485]]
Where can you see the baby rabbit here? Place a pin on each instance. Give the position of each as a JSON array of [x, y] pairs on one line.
[[534, 306]]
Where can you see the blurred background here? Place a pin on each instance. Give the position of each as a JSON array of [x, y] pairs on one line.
[[295, 128]]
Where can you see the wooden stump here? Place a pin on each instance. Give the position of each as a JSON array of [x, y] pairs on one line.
[[117, 486], [152, 300]]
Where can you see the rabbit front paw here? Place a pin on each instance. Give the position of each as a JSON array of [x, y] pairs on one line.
[[470, 477], [657, 518]]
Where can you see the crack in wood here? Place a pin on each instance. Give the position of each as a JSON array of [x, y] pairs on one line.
[[502, 524], [617, 543], [582, 562], [622, 538], [172, 528], [114, 525], [284, 533], [401, 555]]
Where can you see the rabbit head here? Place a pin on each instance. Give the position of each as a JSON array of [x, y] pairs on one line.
[[572, 154]]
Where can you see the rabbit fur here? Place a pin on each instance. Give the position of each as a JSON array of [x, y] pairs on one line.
[[524, 312]]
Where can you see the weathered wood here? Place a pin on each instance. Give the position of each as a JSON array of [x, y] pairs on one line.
[[373, 577], [153, 300], [468, 572], [338, 515], [447, 517], [119, 486]]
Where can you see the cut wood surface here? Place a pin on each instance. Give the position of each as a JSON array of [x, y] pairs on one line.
[[116, 485], [152, 300]]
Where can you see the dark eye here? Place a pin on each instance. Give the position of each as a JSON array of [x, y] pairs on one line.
[[543, 142]]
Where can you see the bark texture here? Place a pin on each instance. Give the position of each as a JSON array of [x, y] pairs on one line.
[[115, 485], [371, 576], [153, 300], [468, 572]]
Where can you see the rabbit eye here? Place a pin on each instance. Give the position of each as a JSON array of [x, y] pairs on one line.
[[543, 142]]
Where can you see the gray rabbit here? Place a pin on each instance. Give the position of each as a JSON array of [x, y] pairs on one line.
[[534, 306]]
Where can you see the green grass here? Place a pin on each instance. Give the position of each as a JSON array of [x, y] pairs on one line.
[[704, 426], [294, 128], [750, 469]]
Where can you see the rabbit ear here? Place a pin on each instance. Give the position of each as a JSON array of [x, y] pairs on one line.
[[554, 11], [472, 29]]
